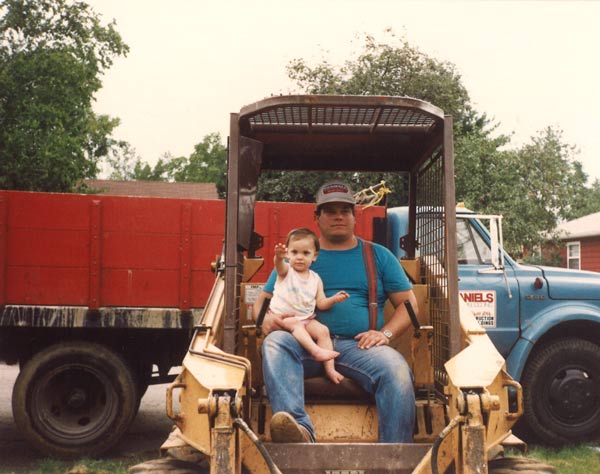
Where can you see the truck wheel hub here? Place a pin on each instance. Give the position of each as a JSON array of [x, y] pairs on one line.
[[76, 398], [572, 395]]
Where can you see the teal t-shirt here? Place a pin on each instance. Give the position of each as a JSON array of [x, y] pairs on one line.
[[345, 270]]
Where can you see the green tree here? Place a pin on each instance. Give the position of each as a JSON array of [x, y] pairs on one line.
[[586, 200], [534, 186], [545, 179], [123, 161], [294, 186], [478, 162], [206, 164], [142, 171], [52, 55], [390, 67]]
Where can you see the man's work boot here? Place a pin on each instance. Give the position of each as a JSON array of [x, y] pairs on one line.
[[285, 429]]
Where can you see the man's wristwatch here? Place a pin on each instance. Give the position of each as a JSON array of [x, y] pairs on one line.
[[387, 333]]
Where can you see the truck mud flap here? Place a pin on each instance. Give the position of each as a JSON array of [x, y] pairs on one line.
[[346, 458]]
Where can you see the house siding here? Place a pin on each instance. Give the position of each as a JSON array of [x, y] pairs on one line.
[[589, 251]]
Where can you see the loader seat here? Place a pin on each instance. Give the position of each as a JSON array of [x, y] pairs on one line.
[[322, 389]]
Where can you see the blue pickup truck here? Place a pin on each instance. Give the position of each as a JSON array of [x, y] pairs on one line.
[[545, 322]]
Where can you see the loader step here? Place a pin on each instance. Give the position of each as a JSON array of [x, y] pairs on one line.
[[347, 458]]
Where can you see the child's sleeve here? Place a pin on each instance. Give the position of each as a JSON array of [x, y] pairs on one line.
[[270, 284]]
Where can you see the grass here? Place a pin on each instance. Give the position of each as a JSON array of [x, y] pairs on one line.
[[80, 466], [581, 459]]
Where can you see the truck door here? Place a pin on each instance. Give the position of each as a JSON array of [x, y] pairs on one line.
[[487, 285]]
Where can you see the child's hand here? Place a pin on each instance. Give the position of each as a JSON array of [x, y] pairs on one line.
[[280, 251], [340, 296]]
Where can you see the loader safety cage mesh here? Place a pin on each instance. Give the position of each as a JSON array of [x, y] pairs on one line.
[[345, 133], [431, 236], [342, 116]]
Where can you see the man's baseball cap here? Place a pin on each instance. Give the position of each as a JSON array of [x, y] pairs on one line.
[[335, 191]]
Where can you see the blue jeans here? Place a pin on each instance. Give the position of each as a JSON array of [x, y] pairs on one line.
[[381, 371]]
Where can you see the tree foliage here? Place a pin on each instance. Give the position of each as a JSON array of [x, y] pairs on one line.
[[534, 186], [206, 164], [52, 55], [392, 67], [548, 185], [586, 200]]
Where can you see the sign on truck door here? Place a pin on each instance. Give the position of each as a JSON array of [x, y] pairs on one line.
[[492, 294]]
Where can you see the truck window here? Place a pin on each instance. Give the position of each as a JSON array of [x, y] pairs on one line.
[[471, 248]]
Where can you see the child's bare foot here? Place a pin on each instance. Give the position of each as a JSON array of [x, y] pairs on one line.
[[321, 355], [334, 375]]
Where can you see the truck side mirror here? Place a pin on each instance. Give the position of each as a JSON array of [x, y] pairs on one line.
[[494, 243]]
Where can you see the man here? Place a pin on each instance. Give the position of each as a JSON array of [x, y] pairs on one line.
[[365, 355]]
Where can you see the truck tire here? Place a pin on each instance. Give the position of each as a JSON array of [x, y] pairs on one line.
[[561, 392], [74, 399], [519, 466]]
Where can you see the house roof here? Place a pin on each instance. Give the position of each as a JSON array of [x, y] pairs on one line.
[[586, 226], [154, 189]]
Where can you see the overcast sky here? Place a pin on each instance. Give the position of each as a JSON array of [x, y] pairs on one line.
[[192, 62]]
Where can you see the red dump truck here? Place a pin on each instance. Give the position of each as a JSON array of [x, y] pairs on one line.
[[98, 299]]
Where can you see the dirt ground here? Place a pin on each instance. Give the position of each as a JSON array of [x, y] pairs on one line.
[[150, 428]]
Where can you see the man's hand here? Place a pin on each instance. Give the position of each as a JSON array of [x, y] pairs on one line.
[[273, 322], [371, 338]]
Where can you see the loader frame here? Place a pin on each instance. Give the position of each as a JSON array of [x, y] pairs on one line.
[[466, 402]]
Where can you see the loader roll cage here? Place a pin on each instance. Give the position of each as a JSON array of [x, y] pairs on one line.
[[352, 133], [465, 401]]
